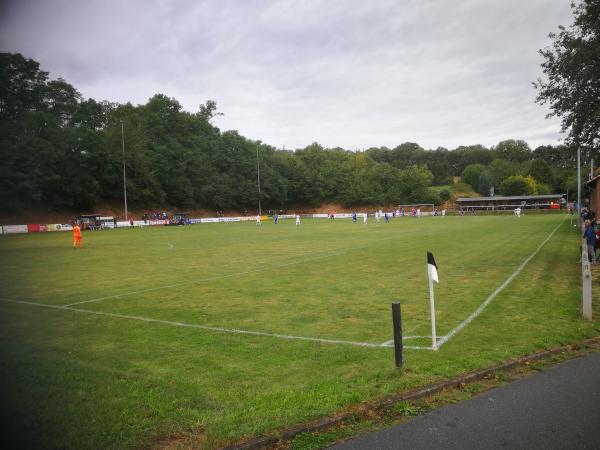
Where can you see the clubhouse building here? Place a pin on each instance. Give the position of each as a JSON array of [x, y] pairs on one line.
[[594, 185]]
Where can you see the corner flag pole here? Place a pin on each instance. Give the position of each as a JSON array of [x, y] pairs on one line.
[[433, 276], [432, 303]]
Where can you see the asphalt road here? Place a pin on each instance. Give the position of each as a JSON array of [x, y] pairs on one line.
[[558, 408]]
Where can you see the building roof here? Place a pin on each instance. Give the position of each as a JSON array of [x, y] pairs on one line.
[[90, 215], [593, 180], [513, 197]]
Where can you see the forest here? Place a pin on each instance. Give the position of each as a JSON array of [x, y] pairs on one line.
[[63, 152]]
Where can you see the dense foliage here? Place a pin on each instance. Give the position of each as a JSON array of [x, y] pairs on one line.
[[64, 152], [530, 177], [572, 70]]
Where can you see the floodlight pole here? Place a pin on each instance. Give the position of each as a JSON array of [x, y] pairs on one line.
[[124, 175], [579, 186], [258, 180]]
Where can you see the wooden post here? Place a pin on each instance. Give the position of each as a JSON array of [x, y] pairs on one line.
[[397, 320]]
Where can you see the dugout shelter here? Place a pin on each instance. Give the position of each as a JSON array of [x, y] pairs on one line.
[[181, 218], [95, 221], [594, 185], [500, 202]]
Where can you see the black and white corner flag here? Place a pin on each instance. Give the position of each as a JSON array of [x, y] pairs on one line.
[[432, 268]]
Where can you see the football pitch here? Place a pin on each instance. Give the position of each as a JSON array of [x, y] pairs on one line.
[[207, 334]]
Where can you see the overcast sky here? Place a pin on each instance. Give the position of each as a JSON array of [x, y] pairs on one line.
[[353, 73]]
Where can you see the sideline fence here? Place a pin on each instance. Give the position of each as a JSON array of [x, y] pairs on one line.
[[586, 281]]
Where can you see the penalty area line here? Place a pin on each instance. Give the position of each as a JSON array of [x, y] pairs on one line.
[[494, 294], [206, 327]]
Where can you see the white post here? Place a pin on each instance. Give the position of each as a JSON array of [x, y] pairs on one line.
[[586, 281], [124, 177], [432, 304], [258, 181]]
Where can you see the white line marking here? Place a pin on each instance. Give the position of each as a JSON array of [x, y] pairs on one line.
[[204, 280], [387, 343], [493, 295], [208, 328]]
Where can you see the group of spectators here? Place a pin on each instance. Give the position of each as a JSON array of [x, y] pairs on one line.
[[155, 216], [462, 211]]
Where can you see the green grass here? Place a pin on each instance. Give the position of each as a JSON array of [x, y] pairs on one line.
[[80, 380], [463, 190]]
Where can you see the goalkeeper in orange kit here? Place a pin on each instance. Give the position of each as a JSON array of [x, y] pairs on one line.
[[77, 241]]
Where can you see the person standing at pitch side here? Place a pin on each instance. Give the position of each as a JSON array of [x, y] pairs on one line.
[[77, 239], [590, 238]]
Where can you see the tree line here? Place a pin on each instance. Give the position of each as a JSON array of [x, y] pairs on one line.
[[63, 152]]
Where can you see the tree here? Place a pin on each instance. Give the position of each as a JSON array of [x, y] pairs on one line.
[[22, 85], [516, 185], [499, 170], [541, 171], [461, 157], [439, 166], [485, 184], [561, 156], [472, 174], [412, 185], [572, 71], [407, 154], [512, 150], [60, 151], [208, 110]]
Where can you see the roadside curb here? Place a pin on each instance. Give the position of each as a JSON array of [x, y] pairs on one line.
[[328, 422]]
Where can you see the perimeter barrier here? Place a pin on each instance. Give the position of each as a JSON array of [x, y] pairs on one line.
[[586, 281]]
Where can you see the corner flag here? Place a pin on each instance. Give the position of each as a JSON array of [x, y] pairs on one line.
[[432, 268], [433, 276]]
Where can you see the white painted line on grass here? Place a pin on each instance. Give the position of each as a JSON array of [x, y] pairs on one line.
[[204, 280], [493, 295], [208, 328], [404, 338]]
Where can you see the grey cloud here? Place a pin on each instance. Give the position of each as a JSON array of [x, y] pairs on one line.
[[344, 73]]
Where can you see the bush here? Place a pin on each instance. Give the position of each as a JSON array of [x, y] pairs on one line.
[[516, 185], [471, 175], [444, 195]]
